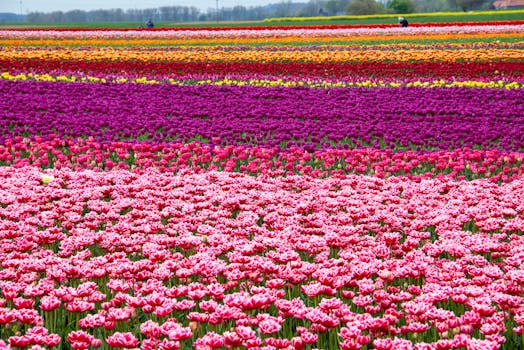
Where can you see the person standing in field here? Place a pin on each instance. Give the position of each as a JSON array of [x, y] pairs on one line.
[[149, 23], [403, 22]]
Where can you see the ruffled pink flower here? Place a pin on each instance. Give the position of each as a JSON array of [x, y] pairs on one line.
[[211, 340], [150, 329], [122, 340], [269, 326], [245, 333], [49, 303], [82, 340]]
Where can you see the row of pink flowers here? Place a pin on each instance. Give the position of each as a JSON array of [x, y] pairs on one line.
[[229, 260], [264, 32]]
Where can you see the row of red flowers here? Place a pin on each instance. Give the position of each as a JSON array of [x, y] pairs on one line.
[[379, 70], [87, 154]]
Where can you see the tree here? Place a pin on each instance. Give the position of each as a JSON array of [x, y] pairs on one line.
[[433, 6], [284, 9], [401, 6], [310, 8], [57, 16], [166, 13], [76, 16], [334, 7], [467, 5], [364, 7]]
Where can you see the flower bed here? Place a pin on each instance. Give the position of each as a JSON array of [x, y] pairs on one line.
[[268, 117], [224, 259], [352, 187]]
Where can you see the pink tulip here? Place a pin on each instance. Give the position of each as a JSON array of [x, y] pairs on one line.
[[150, 329], [269, 326], [122, 340], [81, 340]]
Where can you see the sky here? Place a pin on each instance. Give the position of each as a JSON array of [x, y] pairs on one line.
[[65, 5]]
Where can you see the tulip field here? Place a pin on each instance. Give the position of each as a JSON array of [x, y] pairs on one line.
[[301, 187]]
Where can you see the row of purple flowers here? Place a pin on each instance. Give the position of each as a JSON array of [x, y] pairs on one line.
[[440, 118]]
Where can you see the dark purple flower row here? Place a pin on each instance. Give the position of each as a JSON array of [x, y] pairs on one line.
[[378, 117]]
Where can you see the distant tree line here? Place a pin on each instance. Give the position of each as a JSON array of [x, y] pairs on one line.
[[365, 7], [166, 13], [11, 17], [171, 13], [285, 8]]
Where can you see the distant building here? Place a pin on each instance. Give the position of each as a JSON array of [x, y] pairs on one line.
[[508, 4]]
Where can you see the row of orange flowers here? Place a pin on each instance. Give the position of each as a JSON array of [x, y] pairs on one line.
[[214, 54], [251, 40]]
